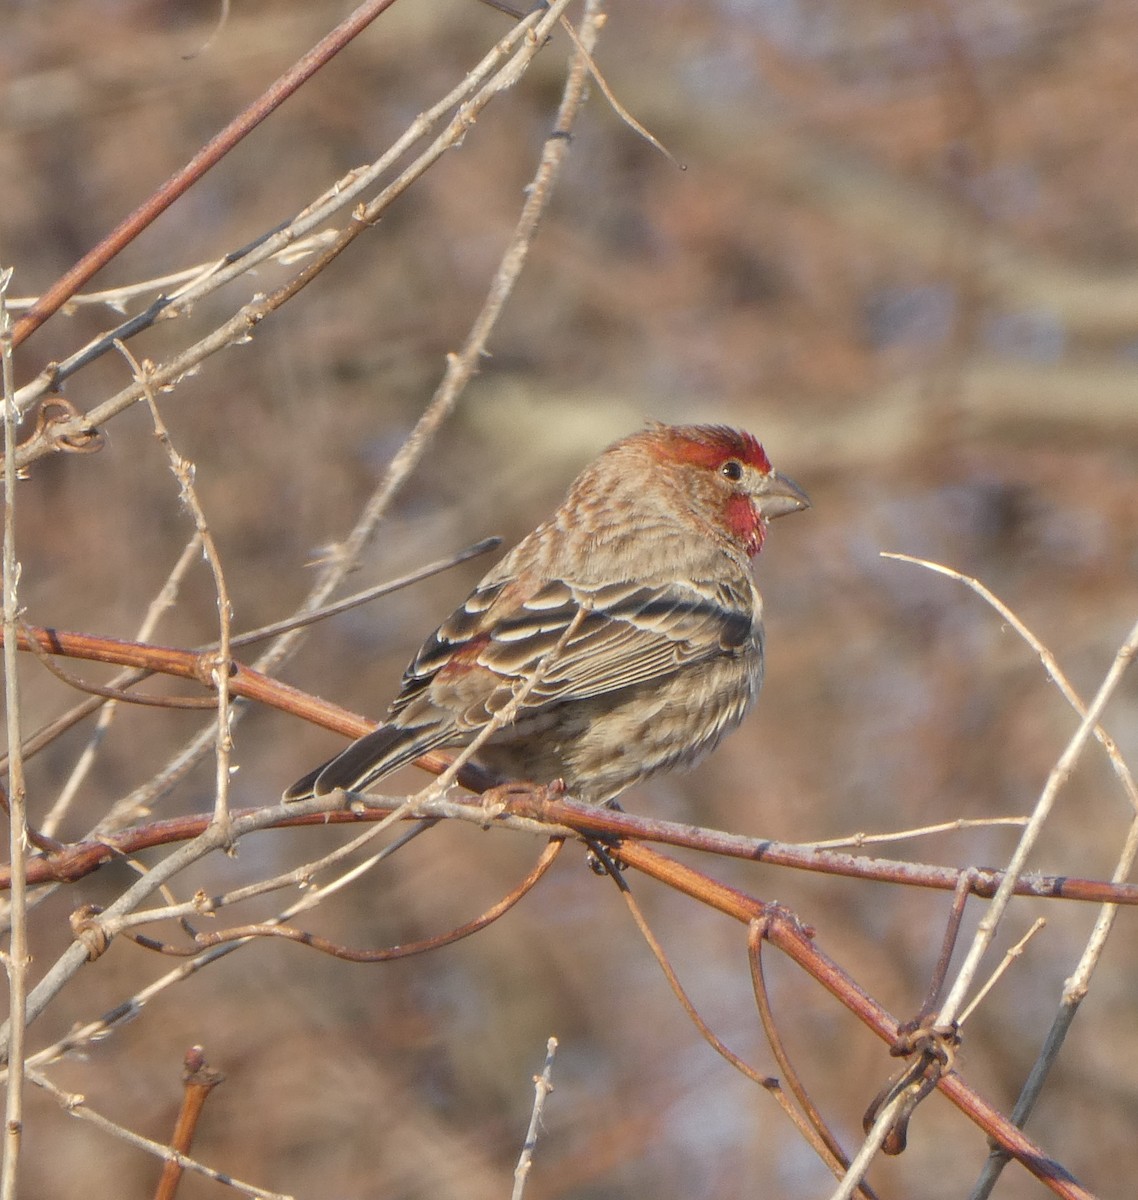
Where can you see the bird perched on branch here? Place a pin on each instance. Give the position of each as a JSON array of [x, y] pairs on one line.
[[628, 624]]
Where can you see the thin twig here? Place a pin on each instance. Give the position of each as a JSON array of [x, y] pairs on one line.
[[116, 298], [1050, 665], [825, 1144], [76, 1105], [404, 949], [17, 958], [854, 1178], [113, 695], [296, 877], [161, 604], [904, 835], [542, 1086], [1012, 954], [184, 471], [615, 104], [1074, 992], [264, 632], [767, 1082], [947, 947], [207, 157], [1089, 726], [1060, 773]]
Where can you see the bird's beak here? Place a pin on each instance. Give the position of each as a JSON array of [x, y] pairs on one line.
[[778, 495]]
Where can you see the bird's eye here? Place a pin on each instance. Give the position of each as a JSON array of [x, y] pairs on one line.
[[732, 469]]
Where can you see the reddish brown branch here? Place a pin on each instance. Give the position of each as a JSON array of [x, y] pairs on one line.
[[783, 929], [79, 860], [198, 666], [600, 822], [199, 1080], [208, 156], [204, 941], [71, 862]]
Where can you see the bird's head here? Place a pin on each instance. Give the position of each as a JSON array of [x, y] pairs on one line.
[[729, 478]]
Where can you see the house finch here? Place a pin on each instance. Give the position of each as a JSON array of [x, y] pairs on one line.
[[630, 615]]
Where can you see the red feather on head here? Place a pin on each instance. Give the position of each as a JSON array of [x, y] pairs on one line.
[[710, 445]]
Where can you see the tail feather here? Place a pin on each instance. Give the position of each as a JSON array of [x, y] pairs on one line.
[[304, 788], [367, 759]]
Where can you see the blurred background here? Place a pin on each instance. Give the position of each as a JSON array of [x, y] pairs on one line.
[[904, 252]]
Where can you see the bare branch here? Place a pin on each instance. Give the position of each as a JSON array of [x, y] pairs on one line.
[[17, 958], [184, 472], [76, 1106], [207, 157], [198, 1080], [542, 1086]]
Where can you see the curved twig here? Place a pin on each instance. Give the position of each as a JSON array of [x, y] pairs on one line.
[[204, 941]]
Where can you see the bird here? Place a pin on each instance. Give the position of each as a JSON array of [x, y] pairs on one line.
[[628, 622]]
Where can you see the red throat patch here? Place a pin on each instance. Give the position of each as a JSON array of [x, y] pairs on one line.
[[745, 523]]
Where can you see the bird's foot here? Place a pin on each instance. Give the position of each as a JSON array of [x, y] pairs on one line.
[[599, 858], [504, 797], [497, 800]]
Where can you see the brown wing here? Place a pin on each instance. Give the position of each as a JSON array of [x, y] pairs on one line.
[[627, 634], [469, 668]]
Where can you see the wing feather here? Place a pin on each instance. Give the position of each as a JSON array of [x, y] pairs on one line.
[[629, 634], [622, 635]]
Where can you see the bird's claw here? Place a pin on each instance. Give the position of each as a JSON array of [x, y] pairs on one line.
[[599, 858]]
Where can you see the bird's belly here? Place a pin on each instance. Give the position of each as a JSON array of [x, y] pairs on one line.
[[604, 744]]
